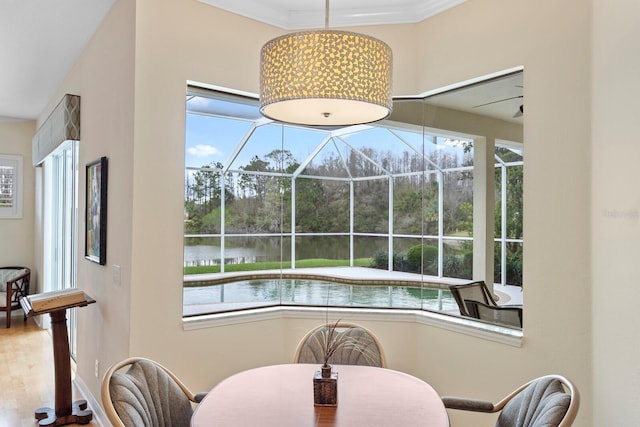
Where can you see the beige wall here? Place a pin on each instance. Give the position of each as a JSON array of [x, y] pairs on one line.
[[615, 212], [103, 77], [176, 42], [552, 41], [141, 128], [463, 43], [17, 234]]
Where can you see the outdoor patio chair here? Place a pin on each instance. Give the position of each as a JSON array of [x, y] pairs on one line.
[[147, 394], [504, 315], [360, 347], [475, 291], [549, 401], [14, 284]]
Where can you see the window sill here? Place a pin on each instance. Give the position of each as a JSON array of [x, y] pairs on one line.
[[499, 334]]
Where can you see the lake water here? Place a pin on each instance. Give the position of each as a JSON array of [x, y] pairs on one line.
[[239, 250], [262, 292], [196, 255]]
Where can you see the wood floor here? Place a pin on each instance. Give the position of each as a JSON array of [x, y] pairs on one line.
[[26, 372]]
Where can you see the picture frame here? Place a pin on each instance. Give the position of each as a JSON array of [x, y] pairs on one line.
[[95, 238], [10, 186]]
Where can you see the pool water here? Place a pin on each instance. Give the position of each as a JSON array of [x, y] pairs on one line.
[[261, 292]]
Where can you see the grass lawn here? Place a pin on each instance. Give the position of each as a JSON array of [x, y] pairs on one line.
[[276, 265]]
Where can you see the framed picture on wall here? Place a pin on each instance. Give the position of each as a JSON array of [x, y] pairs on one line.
[[95, 238], [10, 186]]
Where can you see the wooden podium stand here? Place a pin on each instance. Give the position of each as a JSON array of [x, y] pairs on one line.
[[65, 412]]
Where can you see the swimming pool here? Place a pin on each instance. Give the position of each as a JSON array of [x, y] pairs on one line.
[[263, 292]]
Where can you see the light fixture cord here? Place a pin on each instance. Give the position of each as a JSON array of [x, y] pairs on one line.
[[326, 15]]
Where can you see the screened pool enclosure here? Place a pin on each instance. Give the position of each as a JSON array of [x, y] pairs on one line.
[[433, 190]]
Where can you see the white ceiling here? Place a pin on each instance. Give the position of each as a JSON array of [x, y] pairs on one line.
[[39, 42], [41, 39], [498, 97]]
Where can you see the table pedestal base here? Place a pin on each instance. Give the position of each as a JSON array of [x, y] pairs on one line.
[[79, 415]]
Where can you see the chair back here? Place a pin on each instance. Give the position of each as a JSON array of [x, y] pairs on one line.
[[542, 402], [502, 315], [146, 395], [14, 284], [358, 346], [476, 291]]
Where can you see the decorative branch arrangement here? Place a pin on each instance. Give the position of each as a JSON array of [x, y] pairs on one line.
[[332, 340]]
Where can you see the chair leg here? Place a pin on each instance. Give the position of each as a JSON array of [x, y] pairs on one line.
[[9, 316]]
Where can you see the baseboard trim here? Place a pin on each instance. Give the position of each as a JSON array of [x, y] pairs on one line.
[[99, 417]]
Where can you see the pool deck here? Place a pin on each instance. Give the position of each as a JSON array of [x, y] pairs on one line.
[[356, 275]]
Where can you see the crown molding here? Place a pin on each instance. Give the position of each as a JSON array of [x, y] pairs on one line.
[[283, 15]]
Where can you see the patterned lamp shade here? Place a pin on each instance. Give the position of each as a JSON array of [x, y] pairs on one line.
[[325, 78]]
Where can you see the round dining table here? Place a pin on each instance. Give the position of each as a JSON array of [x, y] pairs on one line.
[[282, 395]]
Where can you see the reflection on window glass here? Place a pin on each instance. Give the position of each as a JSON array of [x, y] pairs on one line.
[[394, 195], [508, 216]]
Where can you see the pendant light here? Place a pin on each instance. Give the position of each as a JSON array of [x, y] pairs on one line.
[[325, 78]]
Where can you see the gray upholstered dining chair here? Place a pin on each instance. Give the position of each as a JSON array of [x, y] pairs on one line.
[[146, 395], [14, 284], [547, 401], [360, 346]]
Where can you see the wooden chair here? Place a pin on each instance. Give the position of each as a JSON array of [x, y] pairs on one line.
[[503, 315], [360, 347], [147, 394], [549, 401], [14, 284], [475, 291]]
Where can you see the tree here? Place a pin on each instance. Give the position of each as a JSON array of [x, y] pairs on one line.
[[311, 215], [513, 223], [253, 185], [202, 197]]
